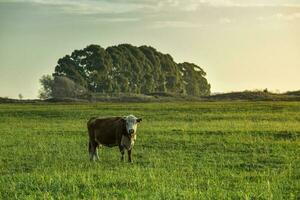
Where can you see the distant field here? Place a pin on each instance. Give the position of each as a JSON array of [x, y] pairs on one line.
[[216, 150]]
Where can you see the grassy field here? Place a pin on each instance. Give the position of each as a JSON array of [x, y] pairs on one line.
[[207, 150]]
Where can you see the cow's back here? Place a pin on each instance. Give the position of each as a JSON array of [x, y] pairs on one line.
[[106, 131]]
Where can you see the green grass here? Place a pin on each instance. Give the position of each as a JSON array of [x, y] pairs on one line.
[[217, 150]]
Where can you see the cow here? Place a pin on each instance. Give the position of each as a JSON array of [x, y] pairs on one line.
[[111, 132]]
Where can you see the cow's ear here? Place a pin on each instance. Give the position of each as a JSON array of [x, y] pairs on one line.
[[139, 120]]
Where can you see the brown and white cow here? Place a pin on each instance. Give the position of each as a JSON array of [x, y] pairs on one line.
[[110, 132]]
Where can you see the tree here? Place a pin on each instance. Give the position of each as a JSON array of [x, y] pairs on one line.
[[47, 85], [63, 87], [194, 79], [60, 87], [126, 68], [20, 96]]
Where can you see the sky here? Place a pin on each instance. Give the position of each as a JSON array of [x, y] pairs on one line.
[[241, 44]]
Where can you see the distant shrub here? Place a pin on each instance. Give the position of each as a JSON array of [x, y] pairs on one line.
[[60, 87]]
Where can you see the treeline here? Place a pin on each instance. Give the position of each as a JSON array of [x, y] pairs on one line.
[[124, 69]]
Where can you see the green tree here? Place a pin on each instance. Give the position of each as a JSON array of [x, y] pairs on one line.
[[194, 79], [20, 96], [126, 68], [63, 87], [60, 87], [47, 84]]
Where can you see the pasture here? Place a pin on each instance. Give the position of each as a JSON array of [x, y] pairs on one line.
[[185, 150]]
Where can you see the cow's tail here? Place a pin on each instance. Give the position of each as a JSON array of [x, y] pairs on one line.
[[90, 147], [91, 136]]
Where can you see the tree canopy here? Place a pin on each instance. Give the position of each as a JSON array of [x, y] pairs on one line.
[[60, 87], [130, 69]]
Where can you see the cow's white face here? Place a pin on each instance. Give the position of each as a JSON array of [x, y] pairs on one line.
[[131, 125]]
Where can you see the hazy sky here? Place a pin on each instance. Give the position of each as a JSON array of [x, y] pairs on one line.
[[241, 44]]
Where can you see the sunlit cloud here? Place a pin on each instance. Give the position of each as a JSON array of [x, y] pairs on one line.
[[175, 24], [280, 16], [242, 4], [119, 19], [121, 6], [288, 17], [89, 6], [225, 20], [118, 10]]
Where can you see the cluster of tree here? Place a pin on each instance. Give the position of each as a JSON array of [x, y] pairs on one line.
[[60, 87], [124, 68]]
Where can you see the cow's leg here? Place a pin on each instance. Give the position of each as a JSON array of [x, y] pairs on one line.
[[96, 151], [90, 150], [129, 155], [96, 157], [122, 151], [93, 151]]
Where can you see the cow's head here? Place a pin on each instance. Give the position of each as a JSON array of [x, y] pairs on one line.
[[131, 125]]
